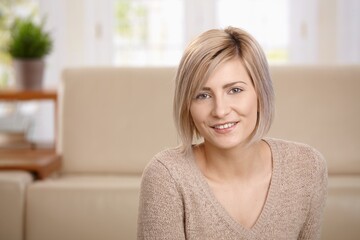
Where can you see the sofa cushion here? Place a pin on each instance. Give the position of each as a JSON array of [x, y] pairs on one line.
[[113, 120], [326, 119], [342, 211], [83, 207]]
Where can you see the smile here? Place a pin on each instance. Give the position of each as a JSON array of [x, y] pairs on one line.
[[224, 126]]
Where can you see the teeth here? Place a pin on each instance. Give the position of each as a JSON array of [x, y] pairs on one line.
[[224, 126]]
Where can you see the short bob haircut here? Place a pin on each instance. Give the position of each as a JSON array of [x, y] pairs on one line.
[[201, 58]]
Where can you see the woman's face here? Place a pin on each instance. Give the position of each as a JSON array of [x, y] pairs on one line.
[[224, 111]]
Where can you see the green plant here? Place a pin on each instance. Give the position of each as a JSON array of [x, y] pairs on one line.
[[29, 40]]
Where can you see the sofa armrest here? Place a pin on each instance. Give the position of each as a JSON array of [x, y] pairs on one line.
[[13, 186]]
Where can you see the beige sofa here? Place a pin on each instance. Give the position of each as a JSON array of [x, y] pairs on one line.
[[113, 120], [12, 203]]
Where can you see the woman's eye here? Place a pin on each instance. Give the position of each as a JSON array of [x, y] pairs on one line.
[[235, 90], [202, 96]]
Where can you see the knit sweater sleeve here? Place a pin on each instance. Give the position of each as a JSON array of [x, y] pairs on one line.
[[312, 227], [161, 207]]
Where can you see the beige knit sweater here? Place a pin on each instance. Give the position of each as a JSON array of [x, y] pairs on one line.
[[177, 203]]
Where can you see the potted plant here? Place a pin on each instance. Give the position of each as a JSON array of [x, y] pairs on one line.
[[28, 45]]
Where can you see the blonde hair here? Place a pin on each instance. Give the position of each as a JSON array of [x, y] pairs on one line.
[[200, 59]]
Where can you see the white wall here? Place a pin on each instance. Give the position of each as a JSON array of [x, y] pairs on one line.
[[77, 28], [348, 31], [325, 31]]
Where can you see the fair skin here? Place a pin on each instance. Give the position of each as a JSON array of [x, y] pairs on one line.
[[224, 112]]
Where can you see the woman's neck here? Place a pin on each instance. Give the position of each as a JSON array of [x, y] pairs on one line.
[[243, 163]]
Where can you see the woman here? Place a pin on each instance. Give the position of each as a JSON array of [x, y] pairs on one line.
[[235, 184]]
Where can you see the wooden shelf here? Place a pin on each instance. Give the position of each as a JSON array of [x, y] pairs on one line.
[[21, 95], [41, 162]]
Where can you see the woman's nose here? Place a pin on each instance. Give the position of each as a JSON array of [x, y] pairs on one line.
[[221, 107]]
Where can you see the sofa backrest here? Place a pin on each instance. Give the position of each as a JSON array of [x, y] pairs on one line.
[[320, 105], [113, 120]]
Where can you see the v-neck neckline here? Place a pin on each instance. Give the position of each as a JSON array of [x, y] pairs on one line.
[[268, 204]]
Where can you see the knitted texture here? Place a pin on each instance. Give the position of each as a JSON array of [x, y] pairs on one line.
[[177, 203]]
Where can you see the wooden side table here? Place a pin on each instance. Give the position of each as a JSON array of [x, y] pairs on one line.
[[41, 162]]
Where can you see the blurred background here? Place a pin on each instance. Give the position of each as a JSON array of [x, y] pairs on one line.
[[155, 32]]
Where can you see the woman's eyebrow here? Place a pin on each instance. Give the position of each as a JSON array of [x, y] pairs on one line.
[[225, 86], [233, 83]]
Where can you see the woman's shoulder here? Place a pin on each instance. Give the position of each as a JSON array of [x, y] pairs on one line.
[[170, 157], [296, 152], [299, 163], [294, 147], [168, 161], [168, 153]]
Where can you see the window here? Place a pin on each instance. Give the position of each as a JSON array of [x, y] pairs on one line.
[[266, 20], [148, 32], [154, 32]]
